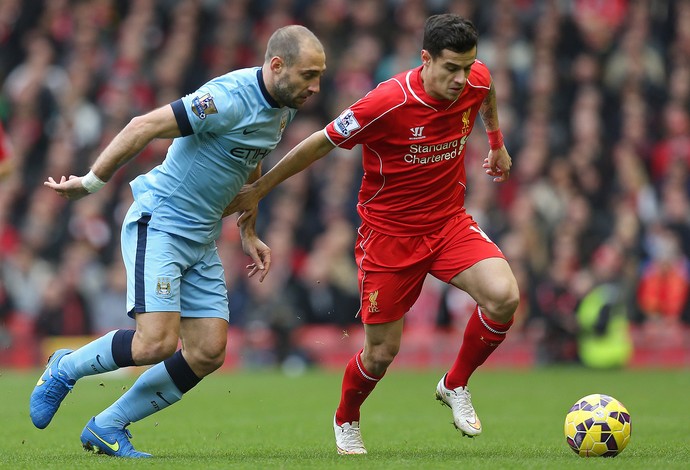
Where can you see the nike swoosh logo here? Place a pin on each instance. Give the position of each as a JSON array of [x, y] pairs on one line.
[[48, 366], [114, 447], [160, 395], [247, 131], [476, 425], [98, 359]]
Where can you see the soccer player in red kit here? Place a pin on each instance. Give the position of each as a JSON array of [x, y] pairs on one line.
[[413, 129]]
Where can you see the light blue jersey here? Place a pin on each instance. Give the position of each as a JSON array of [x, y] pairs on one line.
[[228, 126]]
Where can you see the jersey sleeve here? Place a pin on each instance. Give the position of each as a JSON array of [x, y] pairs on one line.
[[209, 109], [480, 75], [360, 122]]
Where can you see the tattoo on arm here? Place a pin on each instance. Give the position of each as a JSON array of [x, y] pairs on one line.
[[489, 110]]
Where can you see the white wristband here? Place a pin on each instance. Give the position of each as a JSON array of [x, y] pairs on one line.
[[91, 182]]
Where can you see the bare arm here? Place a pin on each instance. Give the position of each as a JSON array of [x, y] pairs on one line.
[[498, 162], [253, 247], [158, 124], [313, 148], [247, 226], [489, 110], [305, 153], [247, 200], [255, 175]]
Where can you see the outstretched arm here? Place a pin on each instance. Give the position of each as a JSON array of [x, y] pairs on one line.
[[247, 200], [305, 153], [141, 130], [498, 162]]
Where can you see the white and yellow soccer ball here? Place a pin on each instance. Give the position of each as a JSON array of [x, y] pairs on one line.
[[598, 426]]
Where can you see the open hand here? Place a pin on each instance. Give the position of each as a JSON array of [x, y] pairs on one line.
[[69, 188]]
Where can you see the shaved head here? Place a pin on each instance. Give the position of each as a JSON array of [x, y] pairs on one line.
[[294, 63], [288, 41]]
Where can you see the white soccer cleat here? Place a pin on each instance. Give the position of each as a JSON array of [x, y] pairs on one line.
[[348, 439], [460, 401]]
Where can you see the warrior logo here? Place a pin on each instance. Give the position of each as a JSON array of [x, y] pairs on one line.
[[417, 132]]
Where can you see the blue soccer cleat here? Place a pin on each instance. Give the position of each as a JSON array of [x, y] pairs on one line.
[[111, 441], [49, 391]]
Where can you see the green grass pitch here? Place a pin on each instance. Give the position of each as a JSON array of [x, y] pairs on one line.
[[266, 420]]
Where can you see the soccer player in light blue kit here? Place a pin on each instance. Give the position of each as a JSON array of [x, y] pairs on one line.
[[175, 280]]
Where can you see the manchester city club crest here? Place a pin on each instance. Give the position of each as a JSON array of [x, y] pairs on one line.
[[283, 124], [164, 287]]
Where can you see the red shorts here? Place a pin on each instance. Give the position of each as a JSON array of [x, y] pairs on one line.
[[392, 269]]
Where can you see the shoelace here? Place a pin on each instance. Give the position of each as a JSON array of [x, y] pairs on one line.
[[463, 400], [351, 436], [57, 389]]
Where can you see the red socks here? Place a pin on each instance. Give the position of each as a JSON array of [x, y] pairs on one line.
[[357, 385], [482, 337]]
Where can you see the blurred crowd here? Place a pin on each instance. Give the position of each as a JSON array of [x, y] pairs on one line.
[[594, 103]]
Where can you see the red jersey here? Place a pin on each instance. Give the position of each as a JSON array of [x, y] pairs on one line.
[[413, 151]]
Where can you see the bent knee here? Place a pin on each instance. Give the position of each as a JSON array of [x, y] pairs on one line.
[[504, 302], [204, 360], [147, 350], [377, 359]]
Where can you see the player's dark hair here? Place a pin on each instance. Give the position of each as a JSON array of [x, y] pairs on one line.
[[448, 31], [286, 43]]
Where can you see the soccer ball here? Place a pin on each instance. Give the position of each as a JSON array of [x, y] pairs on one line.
[[598, 426]]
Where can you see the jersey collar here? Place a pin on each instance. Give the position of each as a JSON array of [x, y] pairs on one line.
[[417, 85], [264, 90]]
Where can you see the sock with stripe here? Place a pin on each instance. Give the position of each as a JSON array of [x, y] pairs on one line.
[[107, 353], [482, 337], [159, 387], [357, 385]]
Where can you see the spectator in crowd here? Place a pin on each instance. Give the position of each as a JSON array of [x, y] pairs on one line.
[[603, 326], [663, 293], [6, 162]]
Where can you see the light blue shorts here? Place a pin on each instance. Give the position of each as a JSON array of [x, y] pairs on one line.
[[169, 273]]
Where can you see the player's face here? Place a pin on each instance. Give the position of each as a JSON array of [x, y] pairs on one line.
[[301, 80], [446, 75]]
